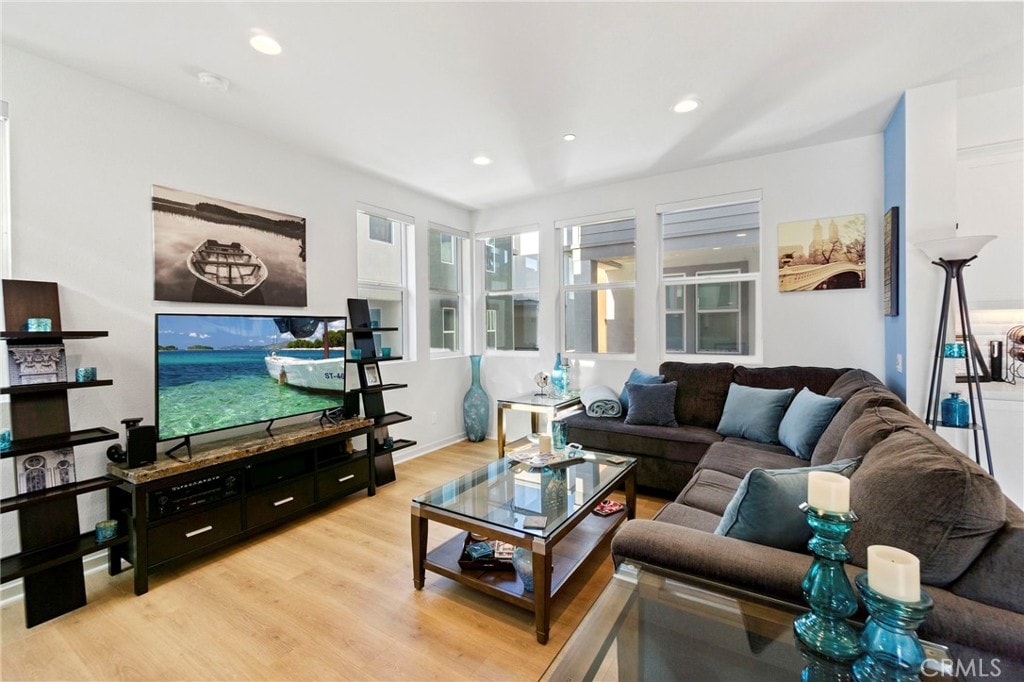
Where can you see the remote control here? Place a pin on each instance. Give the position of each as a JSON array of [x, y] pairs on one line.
[[565, 462]]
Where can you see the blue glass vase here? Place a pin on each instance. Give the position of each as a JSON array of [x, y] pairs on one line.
[[955, 411], [557, 378], [476, 405], [892, 650], [827, 590]]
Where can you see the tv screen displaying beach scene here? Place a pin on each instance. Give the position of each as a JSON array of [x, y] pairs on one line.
[[217, 372]]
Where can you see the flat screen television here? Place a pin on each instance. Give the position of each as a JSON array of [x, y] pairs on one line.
[[218, 372]]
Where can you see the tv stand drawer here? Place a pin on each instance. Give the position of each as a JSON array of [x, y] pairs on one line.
[[342, 479], [181, 536], [279, 502]]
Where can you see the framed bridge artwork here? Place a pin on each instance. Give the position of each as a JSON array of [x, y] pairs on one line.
[[822, 253], [215, 251]]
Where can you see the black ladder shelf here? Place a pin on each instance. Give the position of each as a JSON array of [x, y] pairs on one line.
[[372, 388]]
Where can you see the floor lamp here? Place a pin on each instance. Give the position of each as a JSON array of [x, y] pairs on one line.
[[953, 255]]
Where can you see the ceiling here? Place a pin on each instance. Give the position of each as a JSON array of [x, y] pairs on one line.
[[414, 91]]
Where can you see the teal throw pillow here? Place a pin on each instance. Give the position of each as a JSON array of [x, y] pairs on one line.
[[637, 377], [766, 506], [806, 419], [652, 404], [754, 413]]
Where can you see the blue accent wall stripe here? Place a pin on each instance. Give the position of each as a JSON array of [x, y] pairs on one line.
[[895, 152]]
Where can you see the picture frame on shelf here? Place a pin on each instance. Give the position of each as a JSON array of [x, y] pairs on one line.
[[371, 372], [40, 471], [43, 364], [890, 262]]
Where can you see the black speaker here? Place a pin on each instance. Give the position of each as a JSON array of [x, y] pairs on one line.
[[141, 446], [351, 408]]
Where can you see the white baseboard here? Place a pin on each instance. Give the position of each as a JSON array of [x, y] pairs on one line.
[[14, 590], [421, 449]]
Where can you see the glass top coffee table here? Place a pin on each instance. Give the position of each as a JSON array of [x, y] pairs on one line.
[[500, 501], [650, 626]]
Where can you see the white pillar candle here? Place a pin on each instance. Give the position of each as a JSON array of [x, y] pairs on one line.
[[894, 573], [828, 491], [545, 444]]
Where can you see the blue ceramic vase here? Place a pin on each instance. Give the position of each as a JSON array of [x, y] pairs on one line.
[[476, 406]]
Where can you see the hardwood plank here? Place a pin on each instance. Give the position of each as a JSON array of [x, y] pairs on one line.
[[329, 596]]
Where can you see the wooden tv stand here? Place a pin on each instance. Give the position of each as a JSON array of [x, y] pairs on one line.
[[232, 489]]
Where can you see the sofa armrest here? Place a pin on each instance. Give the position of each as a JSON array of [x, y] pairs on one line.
[[764, 570]]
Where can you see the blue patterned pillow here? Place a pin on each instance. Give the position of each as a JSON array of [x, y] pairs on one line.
[[637, 377], [754, 413], [765, 508], [652, 404]]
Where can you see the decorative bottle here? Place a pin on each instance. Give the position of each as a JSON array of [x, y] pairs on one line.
[[476, 405], [557, 378], [955, 411], [566, 377]]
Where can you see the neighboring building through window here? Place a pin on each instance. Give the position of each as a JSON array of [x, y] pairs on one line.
[[599, 284], [511, 291], [445, 253], [381, 248], [711, 255]]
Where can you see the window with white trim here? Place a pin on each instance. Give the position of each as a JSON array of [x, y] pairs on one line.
[[511, 291], [381, 247], [445, 255], [711, 255], [599, 284]]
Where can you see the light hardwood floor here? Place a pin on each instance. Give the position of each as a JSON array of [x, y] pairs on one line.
[[329, 596]]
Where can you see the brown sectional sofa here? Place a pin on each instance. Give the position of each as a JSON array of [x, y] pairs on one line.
[[912, 490]]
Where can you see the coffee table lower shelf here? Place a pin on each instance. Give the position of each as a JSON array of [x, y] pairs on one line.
[[567, 556]]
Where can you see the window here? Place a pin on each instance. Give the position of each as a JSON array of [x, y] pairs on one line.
[[599, 284], [380, 243], [511, 291], [445, 275], [711, 255]]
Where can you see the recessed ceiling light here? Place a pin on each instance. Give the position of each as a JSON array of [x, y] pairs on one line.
[[716, 248], [569, 137], [685, 106], [261, 42], [213, 81], [482, 161], [741, 234]]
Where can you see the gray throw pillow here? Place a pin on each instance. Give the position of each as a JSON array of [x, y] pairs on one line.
[[652, 404], [637, 376], [765, 508]]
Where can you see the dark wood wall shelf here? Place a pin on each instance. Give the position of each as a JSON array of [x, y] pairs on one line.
[[54, 386], [362, 332], [52, 546]]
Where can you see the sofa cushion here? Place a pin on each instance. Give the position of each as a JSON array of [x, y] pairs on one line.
[[915, 492], [652, 404], [818, 379], [994, 578], [850, 382], [871, 428], [805, 420], [767, 447], [637, 377], [732, 457], [754, 413], [703, 387], [710, 491], [870, 396], [691, 517], [766, 506]]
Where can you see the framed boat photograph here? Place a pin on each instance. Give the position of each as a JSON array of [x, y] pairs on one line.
[[209, 250]]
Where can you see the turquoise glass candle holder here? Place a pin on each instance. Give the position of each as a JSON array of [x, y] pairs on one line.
[[955, 411], [892, 650], [827, 590]]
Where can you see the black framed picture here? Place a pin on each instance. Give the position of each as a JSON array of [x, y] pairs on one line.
[[890, 262]]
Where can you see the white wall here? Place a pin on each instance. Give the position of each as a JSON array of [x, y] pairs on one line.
[[827, 328], [84, 154]]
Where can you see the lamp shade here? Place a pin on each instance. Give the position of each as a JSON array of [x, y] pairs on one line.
[[955, 248]]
